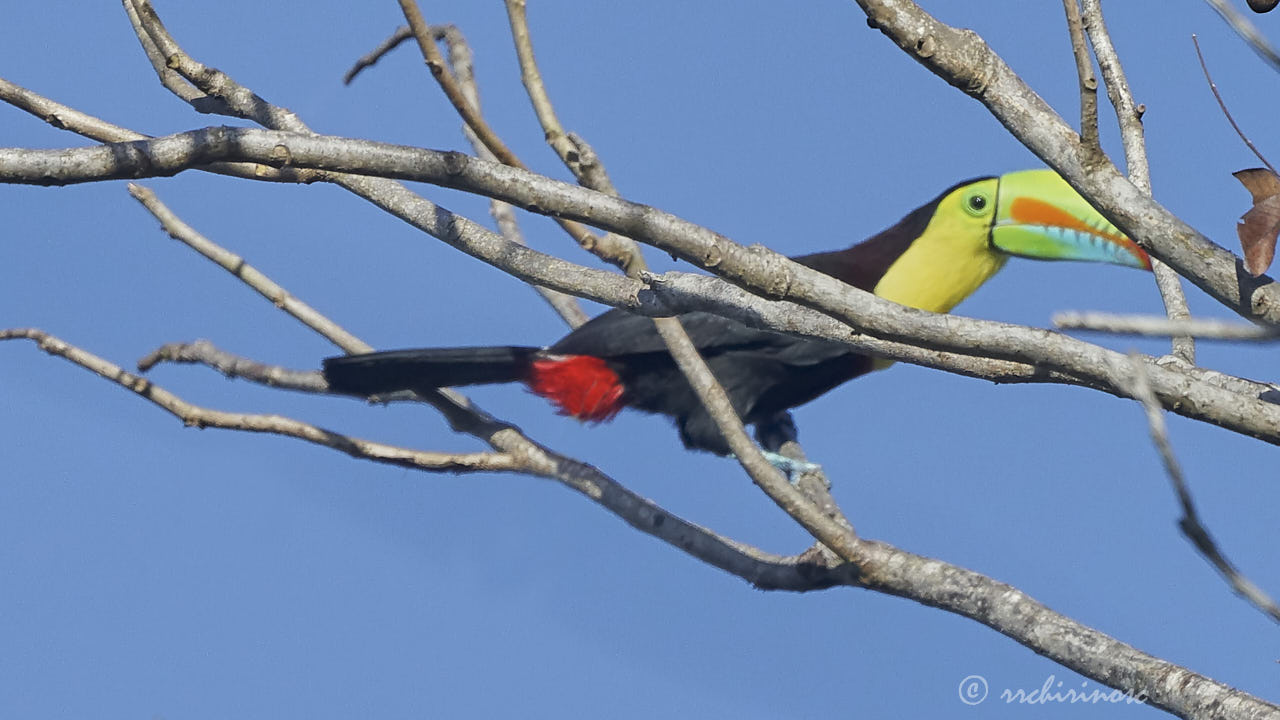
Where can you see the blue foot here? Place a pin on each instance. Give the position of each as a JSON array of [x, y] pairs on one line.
[[793, 469]]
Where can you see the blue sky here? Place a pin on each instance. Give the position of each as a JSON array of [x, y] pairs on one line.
[[151, 570]]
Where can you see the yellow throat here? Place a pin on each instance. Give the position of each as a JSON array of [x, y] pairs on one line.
[[951, 259]]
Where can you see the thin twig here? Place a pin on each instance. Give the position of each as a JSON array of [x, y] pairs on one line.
[[244, 102], [207, 89], [891, 570], [425, 36], [593, 173], [765, 570], [1247, 31], [965, 61], [200, 417], [995, 604], [1128, 112], [389, 195], [203, 352], [401, 34], [456, 407], [589, 175], [65, 117], [714, 399], [249, 275], [601, 247], [756, 268], [573, 151], [1088, 82], [800, 273], [169, 77], [1129, 117], [1153, 326], [807, 571], [1189, 523], [681, 348], [592, 176], [1222, 104], [460, 60]]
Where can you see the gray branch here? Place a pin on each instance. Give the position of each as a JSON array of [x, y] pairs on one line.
[[963, 59], [756, 268], [863, 321]]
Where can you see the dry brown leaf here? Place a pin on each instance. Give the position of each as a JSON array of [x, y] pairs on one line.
[[1260, 226], [1260, 182]]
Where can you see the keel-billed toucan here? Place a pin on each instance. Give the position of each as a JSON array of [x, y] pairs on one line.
[[932, 259]]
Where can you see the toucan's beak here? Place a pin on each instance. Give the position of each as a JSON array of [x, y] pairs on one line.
[[1039, 216]]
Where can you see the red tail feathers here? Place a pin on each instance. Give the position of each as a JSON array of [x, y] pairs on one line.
[[582, 386]]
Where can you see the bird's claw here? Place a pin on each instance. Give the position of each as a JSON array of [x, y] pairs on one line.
[[790, 467]]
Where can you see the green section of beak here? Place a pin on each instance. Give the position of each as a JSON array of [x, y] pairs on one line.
[[1039, 216]]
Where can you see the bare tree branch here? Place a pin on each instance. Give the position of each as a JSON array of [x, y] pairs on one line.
[[68, 118], [1128, 113], [576, 155], [462, 415], [878, 566], [589, 175], [206, 89], [1129, 117], [589, 241], [387, 194], [894, 571], [566, 306], [168, 77], [709, 391], [765, 571], [962, 58], [64, 117], [999, 371], [236, 265], [756, 268], [1163, 327], [200, 417], [1091, 654], [203, 352], [681, 348], [1190, 523], [401, 34], [684, 352], [1088, 82], [1223, 105], [1247, 32], [885, 569], [934, 583]]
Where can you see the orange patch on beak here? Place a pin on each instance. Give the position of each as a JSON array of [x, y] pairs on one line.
[[1031, 211]]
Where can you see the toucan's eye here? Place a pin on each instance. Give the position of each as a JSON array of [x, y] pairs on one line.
[[976, 203]]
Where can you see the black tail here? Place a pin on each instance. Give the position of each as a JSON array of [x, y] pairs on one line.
[[385, 372]]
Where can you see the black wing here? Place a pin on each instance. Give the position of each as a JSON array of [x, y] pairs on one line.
[[619, 333]]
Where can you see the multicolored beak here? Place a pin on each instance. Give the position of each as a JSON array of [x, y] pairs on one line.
[[1039, 216]]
